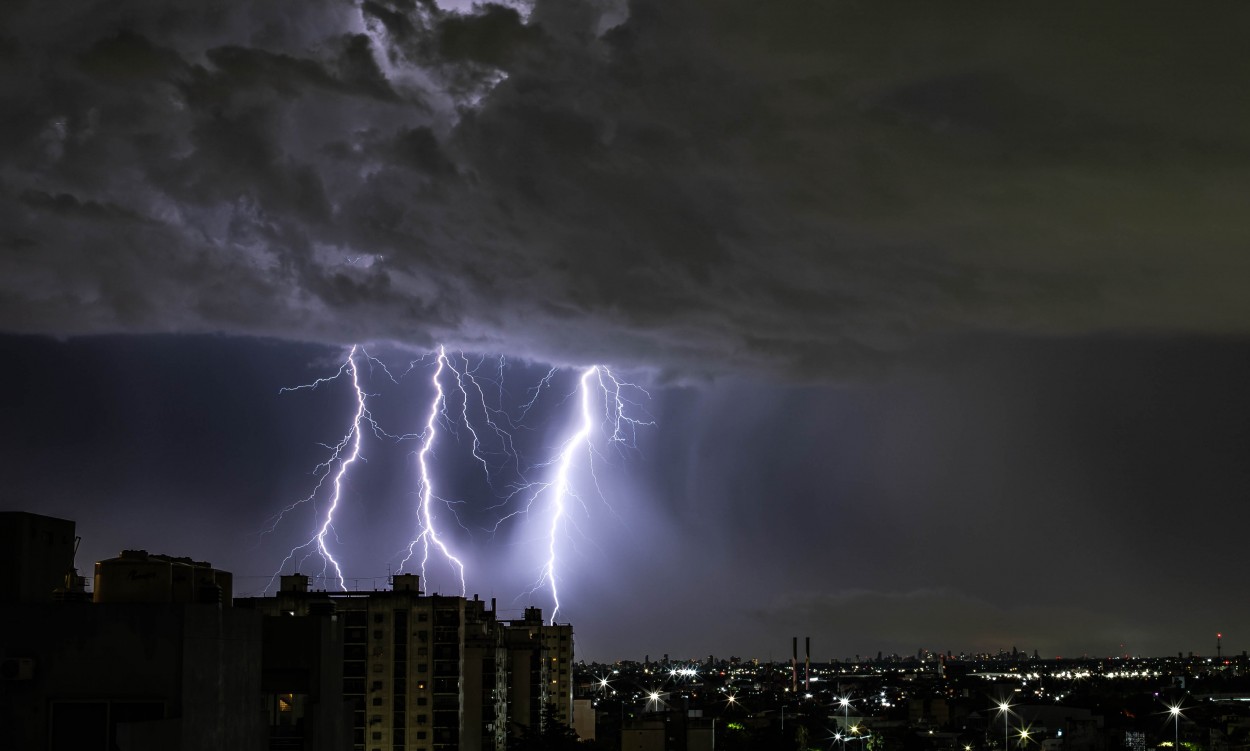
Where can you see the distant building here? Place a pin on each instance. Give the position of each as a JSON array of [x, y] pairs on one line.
[[673, 730]]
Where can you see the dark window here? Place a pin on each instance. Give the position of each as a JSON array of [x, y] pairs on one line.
[[447, 652], [445, 702]]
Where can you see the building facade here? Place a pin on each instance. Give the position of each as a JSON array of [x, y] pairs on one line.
[[437, 673]]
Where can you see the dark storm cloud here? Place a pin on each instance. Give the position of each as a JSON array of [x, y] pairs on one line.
[[693, 186]]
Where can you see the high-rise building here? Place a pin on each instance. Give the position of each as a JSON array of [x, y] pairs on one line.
[[540, 657], [436, 673]]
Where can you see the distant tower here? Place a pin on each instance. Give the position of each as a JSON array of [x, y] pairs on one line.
[[794, 666], [1218, 637], [807, 664]]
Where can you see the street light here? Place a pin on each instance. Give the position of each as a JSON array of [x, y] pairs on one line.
[[1175, 711], [1005, 710], [859, 733], [845, 701]]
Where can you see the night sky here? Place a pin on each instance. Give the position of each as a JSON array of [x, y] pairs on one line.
[[939, 314]]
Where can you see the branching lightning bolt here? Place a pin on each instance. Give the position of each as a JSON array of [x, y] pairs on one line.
[[465, 374], [344, 453], [606, 415], [428, 533], [622, 432]]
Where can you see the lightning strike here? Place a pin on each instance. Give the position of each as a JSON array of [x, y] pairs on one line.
[[344, 453], [465, 375], [537, 390], [428, 534], [606, 415], [622, 432]]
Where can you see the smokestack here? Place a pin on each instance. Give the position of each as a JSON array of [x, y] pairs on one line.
[[794, 667], [807, 664]]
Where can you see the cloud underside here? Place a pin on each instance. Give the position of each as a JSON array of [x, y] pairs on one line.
[[692, 186]]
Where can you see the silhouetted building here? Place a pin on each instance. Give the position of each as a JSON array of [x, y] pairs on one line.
[[162, 657], [36, 556], [155, 667]]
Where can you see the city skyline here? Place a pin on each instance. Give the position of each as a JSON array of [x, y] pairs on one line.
[[938, 318]]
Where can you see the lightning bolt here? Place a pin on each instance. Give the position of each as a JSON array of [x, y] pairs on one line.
[[605, 416], [596, 379], [427, 535], [344, 453], [465, 374]]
